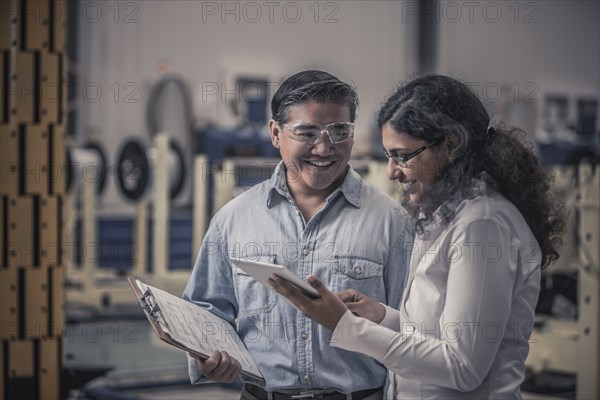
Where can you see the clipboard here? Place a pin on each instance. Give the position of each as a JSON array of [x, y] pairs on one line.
[[159, 321]]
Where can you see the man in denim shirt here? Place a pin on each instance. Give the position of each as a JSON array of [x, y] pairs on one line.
[[315, 216]]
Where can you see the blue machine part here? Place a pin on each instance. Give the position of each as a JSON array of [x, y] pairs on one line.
[[218, 144], [566, 153], [243, 142], [116, 247]]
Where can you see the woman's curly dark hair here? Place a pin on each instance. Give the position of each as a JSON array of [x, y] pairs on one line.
[[432, 107]]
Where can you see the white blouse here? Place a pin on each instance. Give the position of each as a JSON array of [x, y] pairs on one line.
[[467, 314]]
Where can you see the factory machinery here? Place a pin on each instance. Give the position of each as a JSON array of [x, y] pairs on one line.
[[559, 345], [564, 344], [566, 341]]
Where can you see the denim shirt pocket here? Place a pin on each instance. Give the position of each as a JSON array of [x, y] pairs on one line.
[[253, 296], [365, 276]]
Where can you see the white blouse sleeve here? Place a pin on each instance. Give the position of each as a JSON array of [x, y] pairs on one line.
[[477, 306], [391, 320]]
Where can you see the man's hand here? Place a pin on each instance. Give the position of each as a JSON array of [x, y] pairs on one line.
[[362, 305], [219, 367], [326, 310]]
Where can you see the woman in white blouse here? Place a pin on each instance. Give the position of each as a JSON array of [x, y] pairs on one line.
[[486, 224]]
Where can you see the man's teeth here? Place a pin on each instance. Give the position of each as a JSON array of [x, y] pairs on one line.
[[320, 163]]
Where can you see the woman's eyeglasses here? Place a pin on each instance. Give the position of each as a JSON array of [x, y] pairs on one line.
[[404, 159]]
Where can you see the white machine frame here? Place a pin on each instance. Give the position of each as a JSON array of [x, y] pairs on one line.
[[96, 284]]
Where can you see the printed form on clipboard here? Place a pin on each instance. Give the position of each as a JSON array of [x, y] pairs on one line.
[[192, 328]]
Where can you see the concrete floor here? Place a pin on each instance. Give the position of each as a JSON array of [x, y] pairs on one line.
[[137, 358], [143, 367]]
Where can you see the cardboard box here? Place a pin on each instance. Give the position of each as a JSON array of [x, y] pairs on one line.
[[9, 303], [57, 286], [57, 168], [20, 359], [35, 167], [9, 152], [24, 97], [21, 232], [37, 24], [49, 373], [36, 302], [49, 231], [50, 87]]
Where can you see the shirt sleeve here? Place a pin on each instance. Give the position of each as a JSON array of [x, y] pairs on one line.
[[211, 285], [481, 275], [395, 268], [391, 320]]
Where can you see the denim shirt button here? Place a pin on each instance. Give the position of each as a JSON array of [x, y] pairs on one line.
[[306, 377], [304, 336], [357, 269], [305, 252]]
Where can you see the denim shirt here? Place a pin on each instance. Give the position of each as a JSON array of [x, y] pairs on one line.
[[360, 239]]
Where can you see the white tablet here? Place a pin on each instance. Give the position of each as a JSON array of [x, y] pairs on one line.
[[263, 271]]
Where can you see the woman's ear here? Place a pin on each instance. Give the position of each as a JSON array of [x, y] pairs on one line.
[[451, 145], [452, 141], [275, 131]]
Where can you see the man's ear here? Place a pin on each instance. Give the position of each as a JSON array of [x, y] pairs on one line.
[[275, 131]]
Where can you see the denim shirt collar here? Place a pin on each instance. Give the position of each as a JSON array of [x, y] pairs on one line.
[[350, 187]]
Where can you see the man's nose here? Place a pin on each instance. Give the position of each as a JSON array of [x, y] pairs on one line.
[[323, 146]]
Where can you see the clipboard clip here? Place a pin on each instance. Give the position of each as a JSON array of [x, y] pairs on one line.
[[145, 303]]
